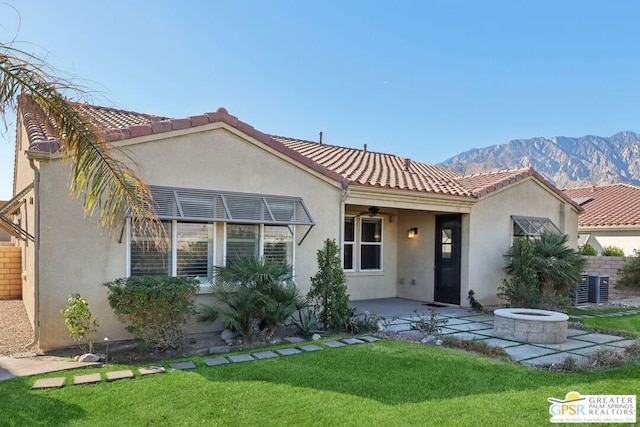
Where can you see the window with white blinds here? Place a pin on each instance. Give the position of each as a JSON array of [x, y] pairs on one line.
[[278, 244], [243, 241], [146, 259], [194, 250]]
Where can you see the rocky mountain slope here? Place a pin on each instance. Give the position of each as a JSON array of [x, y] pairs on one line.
[[567, 162]]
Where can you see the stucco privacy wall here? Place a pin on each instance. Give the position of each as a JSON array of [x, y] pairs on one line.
[[213, 158], [491, 231], [10, 272]]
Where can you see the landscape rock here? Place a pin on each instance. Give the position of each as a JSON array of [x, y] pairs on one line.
[[428, 339], [315, 337], [88, 357], [227, 336]]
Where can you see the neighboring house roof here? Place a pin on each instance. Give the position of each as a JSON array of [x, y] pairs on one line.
[[346, 165], [607, 205]]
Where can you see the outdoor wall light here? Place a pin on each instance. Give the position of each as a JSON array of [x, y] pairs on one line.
[[413, 232]]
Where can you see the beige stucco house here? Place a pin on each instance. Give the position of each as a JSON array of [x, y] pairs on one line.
[[407, 229], [611, 216]]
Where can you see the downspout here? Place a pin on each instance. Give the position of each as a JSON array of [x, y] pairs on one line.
[[343, 197], [36, 257]]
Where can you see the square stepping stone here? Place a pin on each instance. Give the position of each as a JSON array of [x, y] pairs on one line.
[[215, 362], [151, 370], [87, 379], [334, 344], [293, 340], [412, 333], [586, 351], [569, 344], [368, 338], [264, 355], [455, 321], [553, 359], [401, 320], [446, 331], [352, 341], [23, 355], [288, 351], [468, 336], [527, 351], [402, 327], [598, 338], [57, 382], [471, 327], [575, 332], [183, 365], [310, 347], [119, 375], [622, 344], [498, 342], [241, 358], [219, 349]]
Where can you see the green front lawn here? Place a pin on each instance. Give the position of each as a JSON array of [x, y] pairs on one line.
[[383, 383], [629, 323]]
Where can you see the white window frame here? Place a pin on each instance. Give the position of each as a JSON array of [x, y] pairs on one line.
[[353, 243], [363, 243], [174, 248], [358, 243]]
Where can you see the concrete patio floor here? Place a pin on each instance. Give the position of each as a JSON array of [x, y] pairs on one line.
[[400, 316]]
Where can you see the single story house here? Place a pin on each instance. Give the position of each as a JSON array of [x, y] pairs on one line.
[[611, 216], [407, 229]]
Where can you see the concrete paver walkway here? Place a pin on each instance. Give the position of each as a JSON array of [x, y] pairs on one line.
[[401, 316], [467, 324]]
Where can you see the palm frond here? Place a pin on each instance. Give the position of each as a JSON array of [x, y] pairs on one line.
[[106, 184]]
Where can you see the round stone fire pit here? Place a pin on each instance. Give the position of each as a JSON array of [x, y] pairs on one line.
[[530, 325]]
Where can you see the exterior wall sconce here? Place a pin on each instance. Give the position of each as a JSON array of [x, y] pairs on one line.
[[413, 232]]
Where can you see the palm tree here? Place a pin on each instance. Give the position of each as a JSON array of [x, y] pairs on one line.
[[105, 184]]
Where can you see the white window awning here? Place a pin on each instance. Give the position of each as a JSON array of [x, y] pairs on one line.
[[219, 206], [532, 226]]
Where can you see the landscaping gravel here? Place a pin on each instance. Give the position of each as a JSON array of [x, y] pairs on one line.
[[15, 330]]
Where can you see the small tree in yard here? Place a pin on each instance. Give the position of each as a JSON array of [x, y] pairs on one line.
[[329, 288], [79, 321]]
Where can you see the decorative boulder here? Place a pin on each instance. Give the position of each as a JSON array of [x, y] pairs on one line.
[[88, 357], [315, 337]]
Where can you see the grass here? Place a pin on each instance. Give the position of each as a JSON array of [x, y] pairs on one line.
[[382, 383], [628, 323]]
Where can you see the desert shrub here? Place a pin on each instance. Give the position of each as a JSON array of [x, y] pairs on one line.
[[79, 321], [633, 350], [307, 322], [569, 364], [154, 308], [612, 251], [253, 296], [360, 323], [543, 272], [476, 346], [603, 358], [587, 250], [429, 325], [328, 293], [629, 274]]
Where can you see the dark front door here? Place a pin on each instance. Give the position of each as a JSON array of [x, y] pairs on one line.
[[448, 240]]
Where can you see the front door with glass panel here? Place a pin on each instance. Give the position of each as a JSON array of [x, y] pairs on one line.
[[447, 271]]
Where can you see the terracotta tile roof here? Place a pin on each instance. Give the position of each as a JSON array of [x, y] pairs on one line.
[[608, 205], [368, 168], [345, 165]]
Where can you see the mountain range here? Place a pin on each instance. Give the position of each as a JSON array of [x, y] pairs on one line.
[[567, 162]]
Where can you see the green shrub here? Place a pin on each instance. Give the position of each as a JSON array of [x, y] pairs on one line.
[[587, 250], [328, 292], [307, 322], [543, 272], [612, 251], [79, 321], [154, 308], [629, 274], [253, 296]]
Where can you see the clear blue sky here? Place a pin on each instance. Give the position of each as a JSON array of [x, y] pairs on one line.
[[421, 79]]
